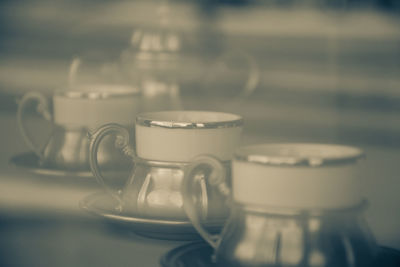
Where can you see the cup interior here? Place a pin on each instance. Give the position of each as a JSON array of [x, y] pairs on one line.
[[294, 153], [184, 119], [92, 105], [98, 91]]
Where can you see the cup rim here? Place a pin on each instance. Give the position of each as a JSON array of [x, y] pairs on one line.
[[299, 154], [169, 164], [189, 119], [98, 91]]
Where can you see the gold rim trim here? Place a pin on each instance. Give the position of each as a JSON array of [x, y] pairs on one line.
[[254, 154], [144, 120], [98, 91]]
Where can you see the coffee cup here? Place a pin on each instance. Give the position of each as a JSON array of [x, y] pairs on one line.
[[291, 205], [74, 112], [168, 144]]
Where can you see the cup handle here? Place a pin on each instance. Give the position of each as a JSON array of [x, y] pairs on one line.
[[73, 71], [121, 142], [217, 178], [42, 108]]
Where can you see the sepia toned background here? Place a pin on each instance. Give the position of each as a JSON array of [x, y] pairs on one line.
[[297, 71]]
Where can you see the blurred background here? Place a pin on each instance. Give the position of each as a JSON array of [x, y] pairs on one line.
[[338, 57], [308, 71]]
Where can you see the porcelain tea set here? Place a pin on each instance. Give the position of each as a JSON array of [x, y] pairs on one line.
[[187, 175], [293, 204]]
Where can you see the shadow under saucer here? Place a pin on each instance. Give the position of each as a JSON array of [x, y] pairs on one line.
[[200, 254], [104, 206]]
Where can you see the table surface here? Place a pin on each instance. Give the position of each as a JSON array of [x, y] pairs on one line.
[[42, 225], [319, 82]]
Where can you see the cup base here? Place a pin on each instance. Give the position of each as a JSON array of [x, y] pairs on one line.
[[200, 254]]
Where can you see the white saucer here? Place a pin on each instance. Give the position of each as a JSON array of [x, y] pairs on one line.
[[103, 205]]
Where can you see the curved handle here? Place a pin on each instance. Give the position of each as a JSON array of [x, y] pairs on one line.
[[253, 77], [121, 142], [73, 71], [217, 178], [42, 108]]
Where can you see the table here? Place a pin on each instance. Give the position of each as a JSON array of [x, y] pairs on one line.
[[316, 84], [42, 225]]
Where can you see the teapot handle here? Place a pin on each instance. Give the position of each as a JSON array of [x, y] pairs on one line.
[[253, 79], [216, 178], [121, 142], [253, 76], [42, 108]]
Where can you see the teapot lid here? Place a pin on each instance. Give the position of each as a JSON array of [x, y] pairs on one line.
[[157, 47]]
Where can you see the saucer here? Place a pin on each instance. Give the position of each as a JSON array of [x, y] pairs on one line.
[[29, 161], [199, 254], [104, 206]]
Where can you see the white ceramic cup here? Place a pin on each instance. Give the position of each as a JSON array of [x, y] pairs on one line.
[[292, 176], [290, 200], [300, 175], [93, 105], [182, 135], [169, 145], [75, 111]]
